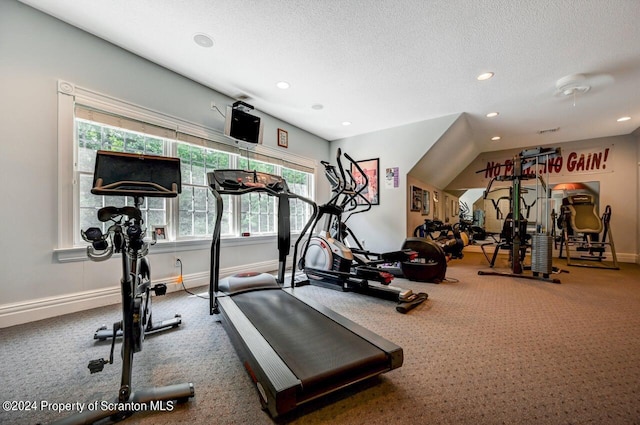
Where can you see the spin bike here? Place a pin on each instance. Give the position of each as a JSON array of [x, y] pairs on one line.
[[122, 174], [329, 263]]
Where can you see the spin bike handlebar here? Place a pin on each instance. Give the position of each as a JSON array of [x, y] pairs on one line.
[[119, 235]]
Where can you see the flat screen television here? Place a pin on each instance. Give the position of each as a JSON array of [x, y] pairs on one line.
[[241, 125]]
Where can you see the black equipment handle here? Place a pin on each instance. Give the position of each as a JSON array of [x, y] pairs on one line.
[[137, 175], [239, 182], [358, 192], [122, 188]]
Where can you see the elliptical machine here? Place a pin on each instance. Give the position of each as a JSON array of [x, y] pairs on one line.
[[328, 262], [420, 258]]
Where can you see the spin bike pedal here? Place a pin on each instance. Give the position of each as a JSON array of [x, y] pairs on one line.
[[96, 366], [159, 289], [102, 334]]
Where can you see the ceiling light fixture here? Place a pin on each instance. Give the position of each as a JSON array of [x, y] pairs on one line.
[[494, 138], [283, 85], [485, 76], [203, 40], [346, 123], [492, 114], [572, 85], [621, 119]]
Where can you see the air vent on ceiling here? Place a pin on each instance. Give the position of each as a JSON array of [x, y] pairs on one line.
[[549, 130]]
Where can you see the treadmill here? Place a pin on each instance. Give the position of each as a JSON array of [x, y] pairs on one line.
[[294, 349]]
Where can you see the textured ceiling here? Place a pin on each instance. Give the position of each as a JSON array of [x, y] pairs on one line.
[[385, 63]]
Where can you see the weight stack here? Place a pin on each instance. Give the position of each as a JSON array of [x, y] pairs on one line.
[[541, 254]]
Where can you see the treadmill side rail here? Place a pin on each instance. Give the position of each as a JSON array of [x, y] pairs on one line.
[[273, 378]]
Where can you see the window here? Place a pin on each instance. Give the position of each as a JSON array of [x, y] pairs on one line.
[[192, 214], [258, 211], [92, 137], [196, 203]]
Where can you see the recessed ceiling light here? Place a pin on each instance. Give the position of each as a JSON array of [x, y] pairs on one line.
[[346, 123], [621, 119], [203, 40], [317, 106], [484, 76], [495, 138], [283, 85], [492, 114]]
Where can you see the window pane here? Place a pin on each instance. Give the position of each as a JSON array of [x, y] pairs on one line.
[[200, 198], [246, 164], [186, 225], [92, 137], [199, 209], [200, 223], [299, 183], [154, 218]]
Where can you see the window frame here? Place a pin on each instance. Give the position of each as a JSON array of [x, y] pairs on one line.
[[69, 248]]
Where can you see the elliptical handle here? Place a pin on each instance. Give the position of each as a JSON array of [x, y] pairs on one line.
[[360, 170], [341, 167], [365, 184]]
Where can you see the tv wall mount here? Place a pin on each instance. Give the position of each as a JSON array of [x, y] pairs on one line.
[[242, 106]]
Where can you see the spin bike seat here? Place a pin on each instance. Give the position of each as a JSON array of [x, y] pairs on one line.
[[108, 213]]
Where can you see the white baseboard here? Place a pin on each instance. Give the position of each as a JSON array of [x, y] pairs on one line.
[[622, 257], [45, 308]]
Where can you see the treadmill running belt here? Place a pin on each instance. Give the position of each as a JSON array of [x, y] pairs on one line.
[[315, 348]]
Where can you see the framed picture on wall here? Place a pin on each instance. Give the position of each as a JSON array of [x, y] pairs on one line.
[[159, 232], [283, 138], [415, 198], [370, 167], [447, 209], [436, 205], [426, 202]]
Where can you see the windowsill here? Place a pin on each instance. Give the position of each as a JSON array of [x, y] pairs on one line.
[[79, 253]]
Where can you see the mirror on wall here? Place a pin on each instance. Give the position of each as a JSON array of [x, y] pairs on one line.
[[491, 212]]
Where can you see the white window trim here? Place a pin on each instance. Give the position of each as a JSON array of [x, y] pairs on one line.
[[68, 95]]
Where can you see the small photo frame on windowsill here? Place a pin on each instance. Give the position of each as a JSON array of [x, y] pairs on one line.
[[283, 138], [159, 233]]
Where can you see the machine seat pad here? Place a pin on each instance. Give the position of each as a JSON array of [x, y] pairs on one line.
[[318, 350], [584, 219], [583, 213]]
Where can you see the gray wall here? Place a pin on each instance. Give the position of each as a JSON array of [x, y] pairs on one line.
[[618, 183], [384, 227], [413, 147], [35, 52]]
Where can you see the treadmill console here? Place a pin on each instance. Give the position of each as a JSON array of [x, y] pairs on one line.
[[240, 180]]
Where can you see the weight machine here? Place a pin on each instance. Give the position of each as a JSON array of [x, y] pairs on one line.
[[514, 236]]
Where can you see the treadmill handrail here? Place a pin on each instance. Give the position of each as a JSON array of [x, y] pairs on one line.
[[217, 191]]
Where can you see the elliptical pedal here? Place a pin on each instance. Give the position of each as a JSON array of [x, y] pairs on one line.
[[414, 301]]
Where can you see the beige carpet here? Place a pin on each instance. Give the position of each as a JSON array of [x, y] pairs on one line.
[[481, 350]]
